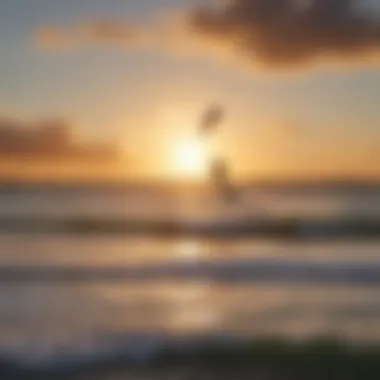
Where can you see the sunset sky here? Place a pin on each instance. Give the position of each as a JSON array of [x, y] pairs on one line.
[[299, 81]]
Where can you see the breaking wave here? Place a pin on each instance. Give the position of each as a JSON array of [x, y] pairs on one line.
[[287, 228], [233, 271]]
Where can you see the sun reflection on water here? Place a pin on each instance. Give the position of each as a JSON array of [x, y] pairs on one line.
[[191, 251]]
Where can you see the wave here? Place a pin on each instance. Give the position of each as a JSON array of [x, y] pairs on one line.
[[283, 228], [151, 357], [230, 271]]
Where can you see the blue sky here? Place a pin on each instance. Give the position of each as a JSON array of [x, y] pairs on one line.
[[120, 94]]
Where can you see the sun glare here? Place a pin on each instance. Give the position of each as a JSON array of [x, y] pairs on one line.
[[190, 159]]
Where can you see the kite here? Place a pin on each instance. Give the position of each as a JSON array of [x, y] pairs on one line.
[[211, 119]]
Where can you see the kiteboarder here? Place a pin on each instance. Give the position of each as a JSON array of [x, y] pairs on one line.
[[219, 171]]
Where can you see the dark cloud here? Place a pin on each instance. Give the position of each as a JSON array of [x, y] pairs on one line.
[[283, 33], [271, 33], [48, 141]]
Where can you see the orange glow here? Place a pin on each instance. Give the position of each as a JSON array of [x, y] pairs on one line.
[[189, 159]]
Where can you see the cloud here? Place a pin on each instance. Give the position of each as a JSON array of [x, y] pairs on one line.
[[95, 32], [51, 37], [279, 34], [288, 33], [47, 141]]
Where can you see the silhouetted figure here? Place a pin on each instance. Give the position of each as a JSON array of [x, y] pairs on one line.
[[210, 121], [220, 178]]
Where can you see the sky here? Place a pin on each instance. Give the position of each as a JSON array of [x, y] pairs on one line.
[[300, 97]]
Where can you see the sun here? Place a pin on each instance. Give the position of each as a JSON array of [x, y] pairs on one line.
[[190, 159]]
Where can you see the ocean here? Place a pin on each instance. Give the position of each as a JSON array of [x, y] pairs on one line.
[[104, 275]]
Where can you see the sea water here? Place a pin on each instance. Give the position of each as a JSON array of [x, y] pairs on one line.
[[77, 296]]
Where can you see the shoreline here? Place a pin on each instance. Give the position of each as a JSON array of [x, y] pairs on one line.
[[319, 359]]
